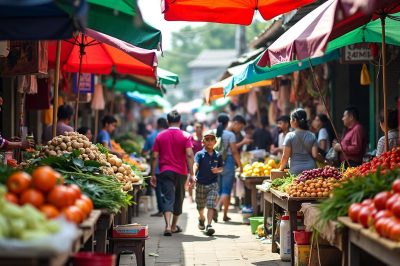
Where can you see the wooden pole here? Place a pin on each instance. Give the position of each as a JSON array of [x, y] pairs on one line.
[[56, 81], [78, 91], [96, 124], [384, 83]]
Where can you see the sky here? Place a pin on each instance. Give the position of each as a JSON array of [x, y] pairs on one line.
[[151, 12]]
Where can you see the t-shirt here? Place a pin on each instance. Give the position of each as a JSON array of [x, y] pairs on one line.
[[262, 139], [197, 145], [301, 143], [227, 138], [60, 130], [148, 145], [104, 137], [171, 144], [323, 135], [206, 161], [393, 135]]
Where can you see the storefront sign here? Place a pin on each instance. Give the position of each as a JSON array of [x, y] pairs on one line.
[[86, 84], [356, 54]]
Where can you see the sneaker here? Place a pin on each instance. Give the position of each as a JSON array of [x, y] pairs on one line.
[[209, 230], [201, 225], [157, 214]]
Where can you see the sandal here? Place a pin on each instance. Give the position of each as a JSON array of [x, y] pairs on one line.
[[178, 230], [226, 219], [167, 233]]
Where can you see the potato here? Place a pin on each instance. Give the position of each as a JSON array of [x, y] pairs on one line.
[[118, 162], [63, 146], [52, 153], [121, 169]]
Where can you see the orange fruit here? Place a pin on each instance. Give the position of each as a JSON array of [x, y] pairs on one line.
[[59, 197], [88, 200], [18, 182], [76, 190], [44, 178], [50, 211], [73, 214], [33, 197], [11, 198], [84, 206]]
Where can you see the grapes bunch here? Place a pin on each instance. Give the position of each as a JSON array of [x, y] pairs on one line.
[[326, 172]]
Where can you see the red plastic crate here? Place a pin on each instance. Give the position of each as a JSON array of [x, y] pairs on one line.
[[130, 231]]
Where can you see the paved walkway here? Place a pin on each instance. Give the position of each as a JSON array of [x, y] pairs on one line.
[[232, 244]]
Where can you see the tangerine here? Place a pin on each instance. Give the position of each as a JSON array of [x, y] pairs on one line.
[[33, 197], [88, 200], [73, 214], [84, 206], [44, 178], [18, 182], [50, 211]]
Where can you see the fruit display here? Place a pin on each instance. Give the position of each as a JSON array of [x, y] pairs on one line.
[[110, 164], [386, 161], [259, 169], [105, 191], [126, 159], [382, 213], [318, 187], [326, 172], [355, 190], [283, 183], [44, 190], [23, 222]]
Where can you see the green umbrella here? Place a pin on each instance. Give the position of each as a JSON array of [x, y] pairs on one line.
[[121, 19], [166, 77], [149, 100], [126, 85]]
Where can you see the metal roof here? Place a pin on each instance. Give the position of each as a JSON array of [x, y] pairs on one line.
[[213, 58]]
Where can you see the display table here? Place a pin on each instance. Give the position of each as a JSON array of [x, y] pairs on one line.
[[133, 210], [290, 204], [250, 183], [267, 205], [359, 238], [88, 228], [104, 223]]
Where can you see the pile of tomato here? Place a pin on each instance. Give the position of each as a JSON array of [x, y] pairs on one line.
[[45, 190], [388, 160], [381, 213]]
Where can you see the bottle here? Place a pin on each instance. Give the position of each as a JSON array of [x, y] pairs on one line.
[[284, 237]]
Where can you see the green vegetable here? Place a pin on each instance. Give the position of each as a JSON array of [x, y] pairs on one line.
[[355, 190], [282, 184]]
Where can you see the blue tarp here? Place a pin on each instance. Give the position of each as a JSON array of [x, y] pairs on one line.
[[41, 19]]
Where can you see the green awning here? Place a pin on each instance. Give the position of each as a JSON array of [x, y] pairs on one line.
[[166, 77], [120, 19], [369, 33], [149, 100], [253, 73], [126, 85]]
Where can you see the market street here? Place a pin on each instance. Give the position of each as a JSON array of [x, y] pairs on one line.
[[232, 244]]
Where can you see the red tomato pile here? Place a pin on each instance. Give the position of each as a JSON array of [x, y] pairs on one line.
[[382, 212], [388, 160], [44, 189]]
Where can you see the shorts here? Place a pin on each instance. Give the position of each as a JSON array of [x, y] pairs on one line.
[[172, 187], [206, 196], [227, 177]]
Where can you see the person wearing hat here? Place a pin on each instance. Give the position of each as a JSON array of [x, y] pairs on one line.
[[207, 165]]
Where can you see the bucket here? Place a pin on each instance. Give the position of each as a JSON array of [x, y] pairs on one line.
[[302, 237], [255, 222], [93, 259]]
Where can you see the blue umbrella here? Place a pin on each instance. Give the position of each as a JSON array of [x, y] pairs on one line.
[[41, 19]]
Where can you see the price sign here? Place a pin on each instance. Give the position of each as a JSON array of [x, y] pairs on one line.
[[356, 54]]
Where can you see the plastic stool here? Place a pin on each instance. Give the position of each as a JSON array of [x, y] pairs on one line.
[[134, 245]]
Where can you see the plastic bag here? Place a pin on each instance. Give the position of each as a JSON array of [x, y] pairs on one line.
[[332, 156], [240, 188]]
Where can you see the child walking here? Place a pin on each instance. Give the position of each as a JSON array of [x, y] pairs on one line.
[[207, 165]]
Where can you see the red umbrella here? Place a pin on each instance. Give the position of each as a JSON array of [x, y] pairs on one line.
[[227, 11], [309, 37], [98, 53]]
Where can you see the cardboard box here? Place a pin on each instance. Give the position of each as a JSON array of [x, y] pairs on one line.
[[275, 173], [301, 255], [329, 256], [130, 231]]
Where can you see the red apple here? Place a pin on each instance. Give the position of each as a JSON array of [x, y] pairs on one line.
[[353, 211], [364, 214], [394, 198], [396, 208], [394, 233], [382, 214], [380, 225], [367, 202], [380, 200], [396, 186]]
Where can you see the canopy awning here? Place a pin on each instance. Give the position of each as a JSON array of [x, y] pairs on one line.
[[166, 77], [149, 100], [126, 85], [227, 11]]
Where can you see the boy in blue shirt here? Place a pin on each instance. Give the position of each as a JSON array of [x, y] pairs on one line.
[[208, 164]]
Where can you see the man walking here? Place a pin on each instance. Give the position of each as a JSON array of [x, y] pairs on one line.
[[173, 151]]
